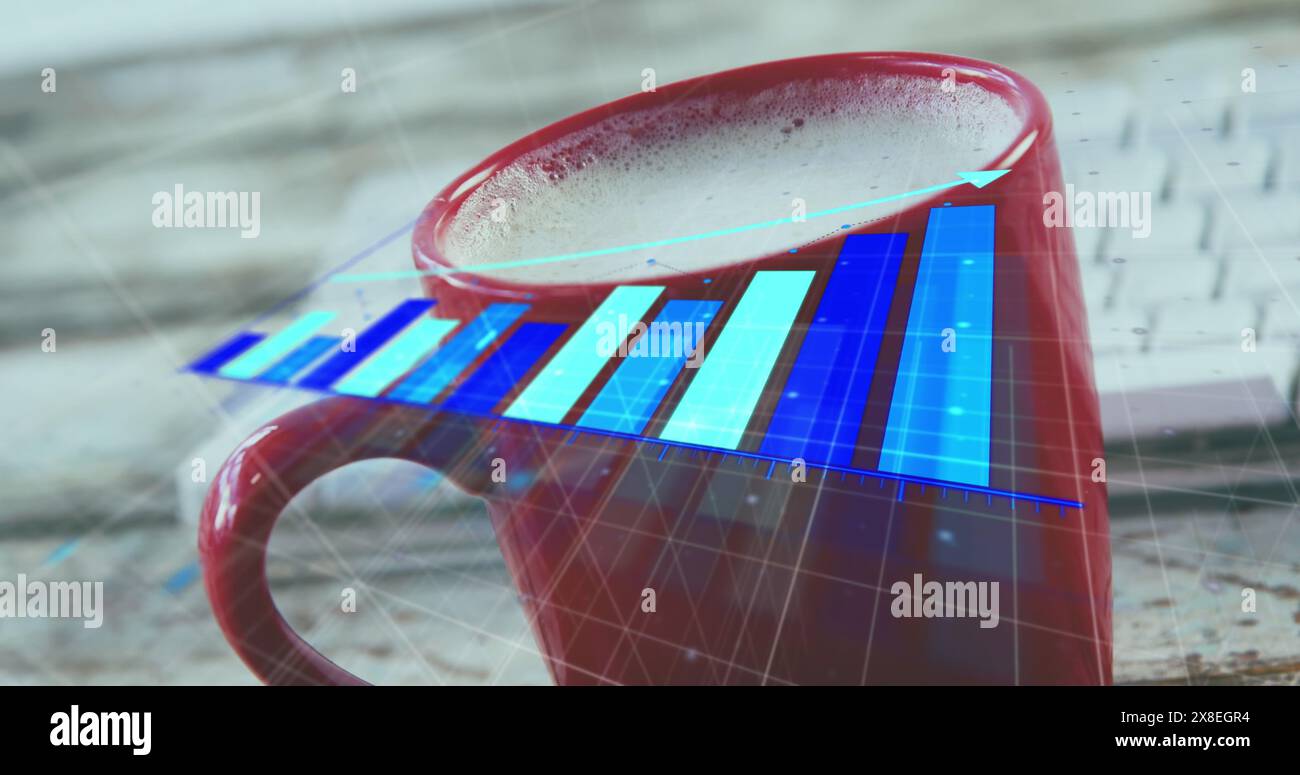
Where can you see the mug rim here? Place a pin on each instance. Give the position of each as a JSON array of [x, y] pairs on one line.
[[1024, 98]]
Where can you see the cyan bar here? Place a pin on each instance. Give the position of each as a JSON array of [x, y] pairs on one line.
[[367, 343], [299, 359], [821, 406], [939, 416], [396, 359], [484, 389], [275, 347], [720, 399], [626, 403], [550, 396], [436, 373], [226, 351]]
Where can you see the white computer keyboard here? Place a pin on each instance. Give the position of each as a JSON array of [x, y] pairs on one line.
[[1172, 316]]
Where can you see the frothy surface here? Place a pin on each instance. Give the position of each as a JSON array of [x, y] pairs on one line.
[[718, 162]]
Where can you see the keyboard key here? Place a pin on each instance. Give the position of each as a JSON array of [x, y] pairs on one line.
[[1217, 104], [1269, 220], [1191, 391], [1266, 111], [1280, 320], [1212, 165], [1248, 273], [1187, 324], [1157, 280], [1096, 112], [1174, 231], [1097, 168]]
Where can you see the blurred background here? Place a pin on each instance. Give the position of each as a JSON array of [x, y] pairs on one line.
[[101, 437]]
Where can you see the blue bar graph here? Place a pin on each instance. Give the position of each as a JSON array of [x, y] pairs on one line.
[[396, 359], [939, 416], [720, 399], [436, 373], [703, 395], [299, 359], [626, 403], [484, 389], [822, 403], [367, 342], [271, 349], [227, 351], [553, 393]]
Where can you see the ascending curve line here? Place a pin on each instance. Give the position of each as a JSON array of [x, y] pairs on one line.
[[978, 179]]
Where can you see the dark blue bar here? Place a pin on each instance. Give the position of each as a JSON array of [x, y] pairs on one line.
[[633, 393], [484, 389], [299, 359], [230, 350], [821, 406], [367, 342], [426, 382]]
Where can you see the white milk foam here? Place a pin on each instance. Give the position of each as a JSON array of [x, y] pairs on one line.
[[718, 162]]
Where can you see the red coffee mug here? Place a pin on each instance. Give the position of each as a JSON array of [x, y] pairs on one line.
[[752, 577]]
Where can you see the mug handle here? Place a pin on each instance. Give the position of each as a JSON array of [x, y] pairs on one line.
[[260, 478]]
